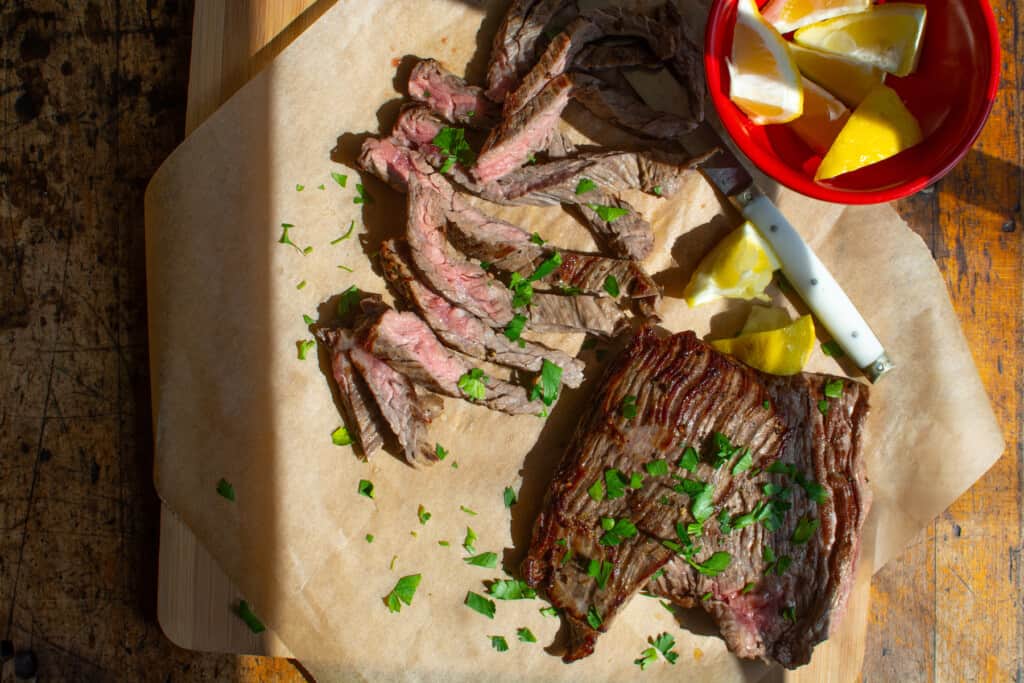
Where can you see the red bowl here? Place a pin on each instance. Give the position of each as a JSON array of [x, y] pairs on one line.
[[951, 94]]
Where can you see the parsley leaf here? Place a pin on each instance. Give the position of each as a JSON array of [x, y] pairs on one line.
[[342, 180], [226, 490], [834, 388], [348, 300], [514, 329], [783, 564], [620, 530], [664, 644], [538, 240], [823, 406], [779, 467], [549, 611], [510, 589], [789, 614], [245, 613], [608, 214], [629, 410], [814, 490], [714, 565], [747, 588], [510, 497], [486, 560], [365, 488], [585, 185], [423, 515], [300, 188], [522, 291], [647, 657], [348, 233], [689, 459], [636, 480], [452, 143], [744, 463], [526, 635], [499, 643], [600, 571], [596, 491], [469, 512], [341, 437], [658, 574], [548, 266], [656, 190], [480, 604], [308, 320], [657, 468], [364, 197], [285, 239], [594, 618], [474, 384], [805, 528], [832, 349], [403, 591], [440, 452], [546, 389], [611, 285], [702, 507], [469, 540], [616, 483], [369, 538]]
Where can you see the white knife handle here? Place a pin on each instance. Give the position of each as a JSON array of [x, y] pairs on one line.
[[816, 286]]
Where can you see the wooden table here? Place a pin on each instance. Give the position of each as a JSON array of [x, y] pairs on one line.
[[90, 109]]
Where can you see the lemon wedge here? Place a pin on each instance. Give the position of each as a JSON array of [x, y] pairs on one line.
[[739, 267], [887, 36], [848, 80], [823, 118], [764, 80], [789, 15], [881, 127], [765, 319], [779, 352]]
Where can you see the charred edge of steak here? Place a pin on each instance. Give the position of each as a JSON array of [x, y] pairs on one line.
[[358, 407], [513, 49], [627, 110], [450, 96]]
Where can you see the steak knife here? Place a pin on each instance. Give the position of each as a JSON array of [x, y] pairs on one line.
[[804, 270]]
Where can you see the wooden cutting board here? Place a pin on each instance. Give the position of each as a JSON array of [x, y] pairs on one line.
[[231, 41]]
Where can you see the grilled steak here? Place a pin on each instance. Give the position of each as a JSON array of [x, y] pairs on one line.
[[464, 332], [615, 55], [361, 415], [519, 135], [624, 108], [759, 523], [450, 96], [405, 343], [406, 413], [593, 314], [514, 45], [449, 273], [627, 235]]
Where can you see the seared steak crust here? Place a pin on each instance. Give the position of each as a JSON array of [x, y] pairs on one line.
[[450, 96], [685, 393], [514, 48], [361, 415]]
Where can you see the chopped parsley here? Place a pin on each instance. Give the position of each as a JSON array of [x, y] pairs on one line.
[[608, 214], [636, 480], [369, 538], [486, 560], [779, 467], [689, 459], [647, 657], [546, 388], [616, 530], [629, 410], [744, 463], [594, 618], [783, 564], [440, 452], [510, 589], [747, 588], [320, 186], [509, 496], [611, 285], [814, 490], [423, 515], [226, 490], [538, 240], [452, 143], [548, 266], [823, 406], [569, 290], [789, 614], [585, 185], [805, 528], [600, 571], [656, 190], [522, 291], [657, 468], [701, 495], [470, 539], [707, 596], [480, 604], [245, 613], [724, 522], [465, 509], [499, 643], [285, 239], [308, 320], [714, 565], [443, 544], [365, 488], [514, 329], [300, 188], [658, 574], [526, 635], [341, 437], [348, 300], [301, 285], [832, 349], [304, 346], [766, 405], [834, 388], [616, 483], [364, 196], [403, 591], [596, 491], [549, 611], [342, 180], [348, 233], [473, 384], [724, 450]]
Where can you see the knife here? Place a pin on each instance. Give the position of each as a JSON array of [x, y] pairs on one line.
[[804, 270]]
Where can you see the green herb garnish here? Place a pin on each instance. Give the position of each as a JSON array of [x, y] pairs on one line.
[[440, 452], [538, 240], [308, 320], [510, 589], [423, 515], [823, 406], [348, 233], [744, 463], [596, 491], [522, 291], [585, 185], [594, 618], [452, 143], [285, 239], [245, 613], [611, 285], [600, 571], [549, 611], [832, 349], [608, 214], [805, 528], [499, 643], [509, 496], [548, 266], [473, 384], [469, 540], [616, 483], [629, 410], [616, 530], [689, 459], [403, 591], [300, 188], [526, 635], [546, 388], [365, 488], [369, 538], [747, 588], [714, 565], [304, 346], [486, 560], [657, 468], [226, 490], [364, 196], [656, 190], [348, 300], [834, 388], [301, 285], [342, 180], [467, 511], [341, 437], [480, 604]]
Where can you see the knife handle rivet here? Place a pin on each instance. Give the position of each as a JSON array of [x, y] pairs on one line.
[[773, 228], [855, 334], [814, 281]]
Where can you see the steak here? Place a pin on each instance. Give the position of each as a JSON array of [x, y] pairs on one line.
[[625, 109], [751, 498], [627, 234], [405, 411], [450, 96], [405, 343], [615, 55], [357, 403], [514, 48], [596, 315], [519, 135], [464, 332], [449, 273]]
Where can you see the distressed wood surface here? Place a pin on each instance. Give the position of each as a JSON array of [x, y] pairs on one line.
[[92, 96]]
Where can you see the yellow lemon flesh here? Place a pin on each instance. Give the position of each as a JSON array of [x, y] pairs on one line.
[[881, 127], [823, 118], [789, 15], [779, 352], [848, 80], [739, 267], [765, 318], [886, 36], [764, 80]]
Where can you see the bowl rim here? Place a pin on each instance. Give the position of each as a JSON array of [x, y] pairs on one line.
[[785, 175]]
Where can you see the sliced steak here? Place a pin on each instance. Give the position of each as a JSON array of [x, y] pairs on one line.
[[615, 55], [449, 273], [760, 525], [523, 133], [596, 315], [464, 332], [405, 342], [513, 50], [450, 96], [625, 109], [626, 234], [362, 417], [406, 412]]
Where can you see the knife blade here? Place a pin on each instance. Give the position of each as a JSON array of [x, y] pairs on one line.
[[804, 270]]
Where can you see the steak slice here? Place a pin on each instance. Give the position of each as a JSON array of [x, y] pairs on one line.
[[625, 109], [464, 332], [514, 47], [357, 404], [405, 343], [450, 96], [627, 234], [519, 135], [453, 276], [592, 314], [615, 55], [406, 412], [761, 528]]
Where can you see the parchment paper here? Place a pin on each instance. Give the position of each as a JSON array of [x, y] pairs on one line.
[[231, 399]]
